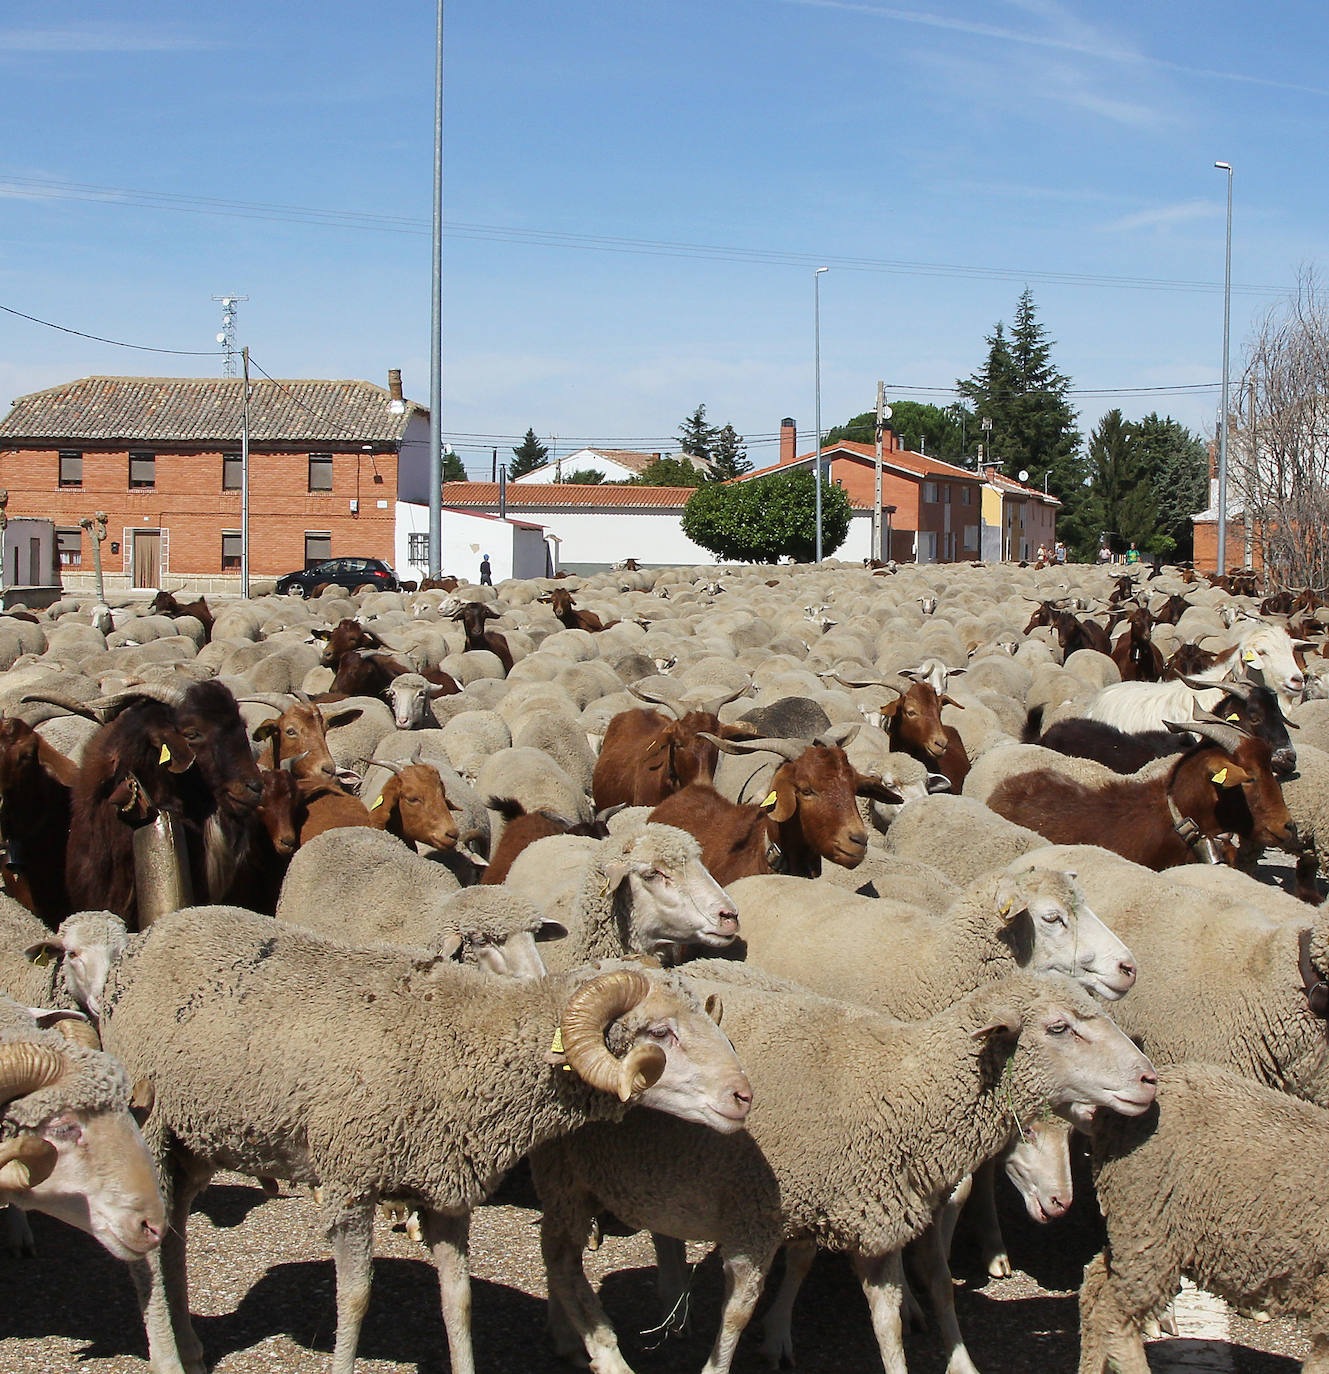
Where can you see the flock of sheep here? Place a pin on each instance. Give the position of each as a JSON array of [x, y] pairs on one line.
[[385, 896]]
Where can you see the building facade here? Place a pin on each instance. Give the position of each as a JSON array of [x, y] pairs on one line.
[[162, 458]]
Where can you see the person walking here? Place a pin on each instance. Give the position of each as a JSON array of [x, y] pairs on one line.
[[486, 573]]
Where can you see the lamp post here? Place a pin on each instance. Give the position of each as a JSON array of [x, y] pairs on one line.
[[1222, 433], [816, 349], [436, 320]]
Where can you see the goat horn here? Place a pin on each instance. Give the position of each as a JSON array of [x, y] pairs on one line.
[[712, 707], [26, 1161], [25, 1067], [75, 708], [1242, 690], [391, 765], [655, 699], [865, 682], [156, 691], [583, 1024], [839, 735], [790, 749], [1226, 736]]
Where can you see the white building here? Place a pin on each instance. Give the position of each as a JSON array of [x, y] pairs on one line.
[[515, 548], [614, 464]]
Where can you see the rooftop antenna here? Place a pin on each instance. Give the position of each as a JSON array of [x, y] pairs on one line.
[[227, 336]]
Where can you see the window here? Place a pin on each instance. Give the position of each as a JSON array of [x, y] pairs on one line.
[[231, 550], [946, 493], [142, 470], [320, 472], [929, 491], [417, 550], [318, 549], [966, 496], [71, 469], [69, 545], [232, 472]]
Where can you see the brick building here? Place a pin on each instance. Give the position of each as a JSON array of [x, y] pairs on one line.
[[161, 456]]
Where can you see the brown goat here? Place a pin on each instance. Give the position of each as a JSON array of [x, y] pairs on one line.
[[325, 805], [166, 604], [523, 828], [1135, 653], [346, 635], [646, 755], [298, 738], [809, 814], [565, 609], [914, 726], [1224, 787], [35, 783], [413, 806], [472, 616]]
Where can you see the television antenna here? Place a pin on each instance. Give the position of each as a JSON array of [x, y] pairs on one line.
[[227, 335]]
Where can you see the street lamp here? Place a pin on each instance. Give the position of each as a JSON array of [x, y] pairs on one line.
[[1222, 433], [816, 336]]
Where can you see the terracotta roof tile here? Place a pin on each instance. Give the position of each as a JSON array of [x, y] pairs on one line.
[[902, 460], [199, 409]]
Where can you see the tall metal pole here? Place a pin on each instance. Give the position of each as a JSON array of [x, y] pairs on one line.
[[244, 477], [816, 335], [876, 470], [1222, 432], [436, 324]]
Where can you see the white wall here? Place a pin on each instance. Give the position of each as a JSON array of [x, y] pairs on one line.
[[598, 538], [514, 550], [413, 463], [574, 462]]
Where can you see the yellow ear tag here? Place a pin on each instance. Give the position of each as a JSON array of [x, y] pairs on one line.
[[1006, 908], [1248, 656], [556, 1044], [768, 801], [164, 756], [1221, 777], [42, 960], [1234, 716], [378, 803]]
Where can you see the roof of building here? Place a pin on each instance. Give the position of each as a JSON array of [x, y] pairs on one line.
[[1011, 486], [904, 461], [628, 459], [199, 409], [566, 495], [502, 519]]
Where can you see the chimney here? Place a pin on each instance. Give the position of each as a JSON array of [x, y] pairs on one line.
[[394, 383], [788, 440]]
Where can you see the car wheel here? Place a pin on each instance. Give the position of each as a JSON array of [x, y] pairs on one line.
[[297, 589]]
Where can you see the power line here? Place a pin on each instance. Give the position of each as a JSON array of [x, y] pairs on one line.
[[117, 343], [500, 233]]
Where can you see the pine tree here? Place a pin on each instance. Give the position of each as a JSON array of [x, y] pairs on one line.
[[917, 426], [453, 471], [729, 456], [529, 455], [1177, 462], [697, 437], [1122, 495]]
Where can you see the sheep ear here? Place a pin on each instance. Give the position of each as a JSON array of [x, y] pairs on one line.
[[1010, 899], [616, 873], [451, 945], [142, 1100], [1005, 1025], [938, 782], [44, 953], [715, 1007], [551, 930]]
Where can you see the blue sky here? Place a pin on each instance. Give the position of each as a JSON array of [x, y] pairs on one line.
[[637, 195]]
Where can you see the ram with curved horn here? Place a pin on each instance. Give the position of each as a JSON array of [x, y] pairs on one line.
[[69, 1145], [1219, 798], [491, 1068], [646, 755]]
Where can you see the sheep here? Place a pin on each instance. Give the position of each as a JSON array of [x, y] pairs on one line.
[[409, 906], [530, 776], [642, 891], [959, 836], [410, 698], [1021, 916], [866, 1125], [471, 1055], [69, 1146], [1221, 1181]]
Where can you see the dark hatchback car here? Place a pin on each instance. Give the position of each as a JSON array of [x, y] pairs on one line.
[[341, 572]]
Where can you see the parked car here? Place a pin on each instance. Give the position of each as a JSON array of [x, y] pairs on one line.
[[342, 572]]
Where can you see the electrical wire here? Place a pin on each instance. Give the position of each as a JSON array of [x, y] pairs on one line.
[[97, 338]]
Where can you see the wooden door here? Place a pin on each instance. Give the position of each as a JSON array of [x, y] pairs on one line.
[[147, 558]]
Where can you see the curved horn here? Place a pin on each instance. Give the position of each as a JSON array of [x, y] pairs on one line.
[[26, 1161], [75, 708], [655, 699], [79, 1032], [790, 749], [391, 765], [1237, 688], [1220, 732], [712, 706], [119, 701], [583, 1024], [839, 735], [25, 1067], [866, 682]]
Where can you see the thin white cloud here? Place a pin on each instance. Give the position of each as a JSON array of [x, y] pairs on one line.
[[1164, 216], [97, 39], [1086, 47]]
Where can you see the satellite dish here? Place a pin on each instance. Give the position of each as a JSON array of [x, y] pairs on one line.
[[1024, 476], [221, 338], [886, 412]]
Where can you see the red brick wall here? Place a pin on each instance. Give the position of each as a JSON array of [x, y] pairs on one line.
[[190, 508], [1206, 546]]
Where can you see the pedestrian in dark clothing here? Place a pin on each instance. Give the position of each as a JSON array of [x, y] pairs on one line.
[[486, 575]]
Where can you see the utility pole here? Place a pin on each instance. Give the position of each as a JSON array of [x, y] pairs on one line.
[[876, 483], [436, 323], [4, 525], [244, 476]]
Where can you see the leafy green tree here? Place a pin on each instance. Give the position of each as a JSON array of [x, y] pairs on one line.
[[918, 427], [528, 455], [767, 519], [1177, 462], [667, 472], [585, 477], [453, 470], [1122, 496], [1026, 398], [729, 455], [696, 436]]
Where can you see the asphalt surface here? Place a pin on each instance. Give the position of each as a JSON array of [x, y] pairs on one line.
[[262, 1297]]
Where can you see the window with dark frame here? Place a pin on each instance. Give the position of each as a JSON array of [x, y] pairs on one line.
[[69, 545], [142, 470], [71, 468], [417, 549], [320, 472], [318, 548], [232, 472], [232, 549]]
